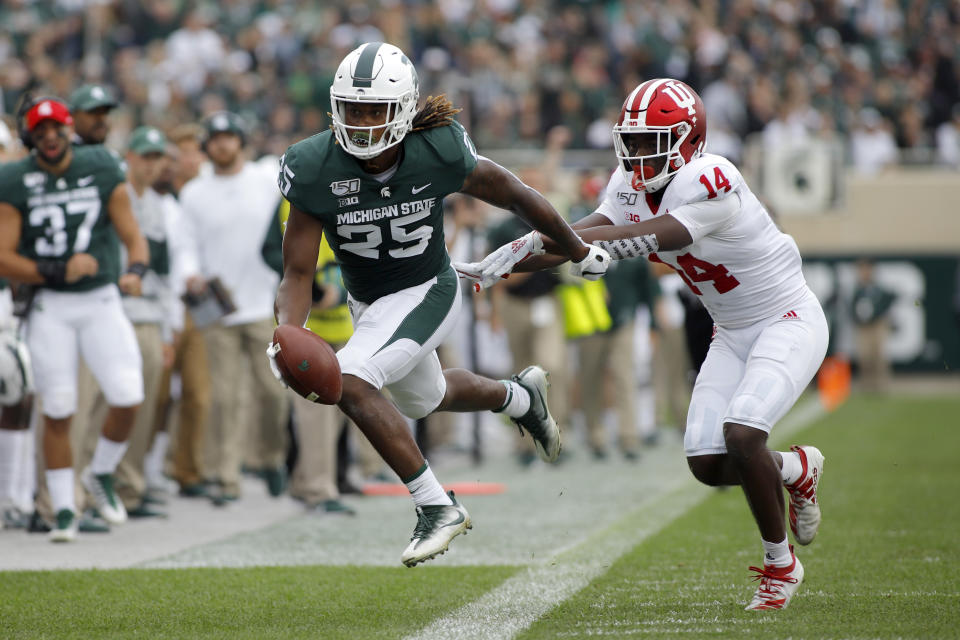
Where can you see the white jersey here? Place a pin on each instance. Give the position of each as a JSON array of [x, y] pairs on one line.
[[740, 264]]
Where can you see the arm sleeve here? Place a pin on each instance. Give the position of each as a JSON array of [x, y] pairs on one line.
[[705, 217]]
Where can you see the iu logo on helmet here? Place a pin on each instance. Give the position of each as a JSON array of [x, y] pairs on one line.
[[682, 96]]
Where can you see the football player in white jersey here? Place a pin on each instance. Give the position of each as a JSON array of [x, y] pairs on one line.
[[675, 204]]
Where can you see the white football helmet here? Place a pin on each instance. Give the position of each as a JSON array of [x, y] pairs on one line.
[[16, 374], [374, 72]]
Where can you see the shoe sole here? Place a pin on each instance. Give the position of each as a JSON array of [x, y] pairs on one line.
[[61, 537], [545, 378], [815, 460], [463, 528]]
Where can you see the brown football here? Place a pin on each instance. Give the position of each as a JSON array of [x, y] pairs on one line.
[[308, 364]]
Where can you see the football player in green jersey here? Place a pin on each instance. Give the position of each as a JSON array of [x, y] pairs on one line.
[[62, 209], [374, 186]]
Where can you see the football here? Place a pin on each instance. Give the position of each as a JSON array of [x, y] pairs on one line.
[[308, 364]]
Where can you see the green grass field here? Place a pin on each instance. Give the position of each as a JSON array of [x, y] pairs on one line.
[[885, 565]]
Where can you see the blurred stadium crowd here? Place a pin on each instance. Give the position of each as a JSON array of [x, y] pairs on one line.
[[783, 68], [879, 77]]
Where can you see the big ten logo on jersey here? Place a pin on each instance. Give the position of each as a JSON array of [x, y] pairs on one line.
[[346, 202], [627, 199]]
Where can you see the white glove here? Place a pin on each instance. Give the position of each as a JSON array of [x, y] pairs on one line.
[[272, 350], [593, 266], [501, 262]]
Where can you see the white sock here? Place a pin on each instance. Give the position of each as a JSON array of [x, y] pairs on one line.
[[777, 554], [424, 488], [792, 467], [107, 456], [517, 402], [25, 486], [60, 485], [11, 453], [153, 463]]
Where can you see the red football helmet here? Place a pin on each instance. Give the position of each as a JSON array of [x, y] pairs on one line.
[[662, 127]]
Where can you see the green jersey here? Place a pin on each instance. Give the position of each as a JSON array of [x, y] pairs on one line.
[[67, 214], [388, 235]]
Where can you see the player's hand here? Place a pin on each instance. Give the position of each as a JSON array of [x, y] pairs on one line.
[[130, 284], [196, 285], [81, 265], [501, 262], [470, 271], [272, 350], [593, 266]]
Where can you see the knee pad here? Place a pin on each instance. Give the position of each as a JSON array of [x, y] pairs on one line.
[[59, 403], [418, 404], [125, 388]]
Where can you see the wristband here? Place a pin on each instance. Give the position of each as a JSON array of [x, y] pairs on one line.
[[138, 268], [630, 247], [53, 272]]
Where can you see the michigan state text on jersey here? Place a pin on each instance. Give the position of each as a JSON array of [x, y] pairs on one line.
[[375, 228]]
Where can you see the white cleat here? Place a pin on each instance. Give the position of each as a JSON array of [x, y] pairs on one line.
[[437, 525], [777, 585], [109, 504], [65, 528], [804, 506]]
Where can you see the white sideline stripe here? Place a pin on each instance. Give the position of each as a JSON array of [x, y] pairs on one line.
[[521, 600]]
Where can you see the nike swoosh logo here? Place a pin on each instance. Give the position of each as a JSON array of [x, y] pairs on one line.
[[417, 190], [82, 182]]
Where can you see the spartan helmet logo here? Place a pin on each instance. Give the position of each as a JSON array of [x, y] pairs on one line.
[[385, 192]]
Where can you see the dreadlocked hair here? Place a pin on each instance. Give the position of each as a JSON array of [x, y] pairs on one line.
[[436, 112]]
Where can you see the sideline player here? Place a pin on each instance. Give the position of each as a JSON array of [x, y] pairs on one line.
[[693, 211], [62, 209], [374, 186]]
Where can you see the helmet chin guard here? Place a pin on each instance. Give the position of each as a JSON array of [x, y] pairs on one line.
[[374, 73]]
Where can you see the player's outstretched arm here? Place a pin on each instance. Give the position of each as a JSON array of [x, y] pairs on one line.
[[634, 240], [301, 243], [553, 258], [495, 185]]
